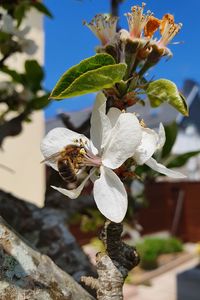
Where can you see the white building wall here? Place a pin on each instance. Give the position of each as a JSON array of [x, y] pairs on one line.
[[22, 153]]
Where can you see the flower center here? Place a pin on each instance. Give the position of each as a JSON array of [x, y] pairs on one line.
[[85, 157], [89, 159]]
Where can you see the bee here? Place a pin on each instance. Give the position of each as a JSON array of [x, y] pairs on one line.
[[68, 163]]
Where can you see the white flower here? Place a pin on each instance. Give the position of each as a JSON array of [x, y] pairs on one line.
[[137, 20], [151, 141], [168, 30], [143, 26], [114, 138], [28, 46], [7, 25], [104, 26]]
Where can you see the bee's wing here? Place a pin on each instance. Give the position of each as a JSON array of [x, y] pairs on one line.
[[52, 157]]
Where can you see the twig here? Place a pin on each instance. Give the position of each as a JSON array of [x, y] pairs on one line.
[[14, 126], [115, 7], [113, 265], [83, 128]]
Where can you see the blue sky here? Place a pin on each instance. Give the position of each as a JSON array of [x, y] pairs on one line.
[[67, 42]]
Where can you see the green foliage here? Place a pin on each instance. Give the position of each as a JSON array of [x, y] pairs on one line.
[[42, 8], [150, 248], [92, 221], [98, 244], [171, 131], [32, 97], [163, 90], [176, 161], [16, 77], [89, 64], [22, 92], [34, 75], [18, 9], [31, 78], [39, 102], [90, 75], [165, 156]]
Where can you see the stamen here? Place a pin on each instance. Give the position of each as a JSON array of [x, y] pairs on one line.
[[82, 151], [168, 30], [87, 158], [137, 20], [104, 27]]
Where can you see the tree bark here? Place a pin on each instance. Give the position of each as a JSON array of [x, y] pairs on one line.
[[113, 265]]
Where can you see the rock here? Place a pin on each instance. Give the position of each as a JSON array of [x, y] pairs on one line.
[[47, 230], [26, 274]]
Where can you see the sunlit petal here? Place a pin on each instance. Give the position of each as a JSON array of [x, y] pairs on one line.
[[161, 136], [153, 164], [147, 147], [113, 115], [73, 194], [56, 140], [124, 138], [100, 124], [110, 195]]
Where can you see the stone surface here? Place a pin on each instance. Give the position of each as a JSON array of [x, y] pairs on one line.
[[47, 230], [26, 274]]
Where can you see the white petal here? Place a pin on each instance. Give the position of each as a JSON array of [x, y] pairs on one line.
[[23, 32], [100, 124], [152, 163], [124, 138], [28, 46], [161, 136], [110, 195], [124, 35], [94, 175], [73, 194], [147, 146], [56, 140], [7, 25], [113, 115]]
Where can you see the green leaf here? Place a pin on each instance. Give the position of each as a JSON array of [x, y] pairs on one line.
[[39, 102], [20, 11], [34, 70], [171, 131], [42, 8], [13, 74], [34, 75], [89, 75], [180, 160], [93, 81], [163, 90]]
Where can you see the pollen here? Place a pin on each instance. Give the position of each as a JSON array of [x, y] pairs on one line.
[[168, 29], [76, 141], [167, 19], [142, 123], [152, 25], [82, 151]]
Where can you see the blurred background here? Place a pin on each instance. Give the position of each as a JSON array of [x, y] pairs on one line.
[[38, 43]]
